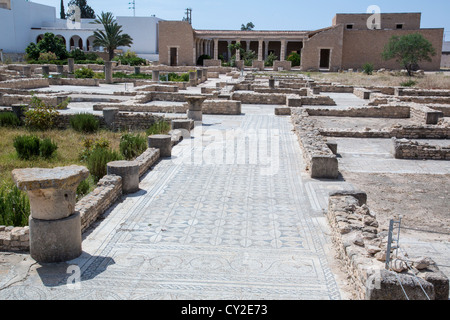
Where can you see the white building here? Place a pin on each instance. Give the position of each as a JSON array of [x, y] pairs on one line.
[[22, 22]]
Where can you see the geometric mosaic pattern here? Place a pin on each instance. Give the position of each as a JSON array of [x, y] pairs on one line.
[[206, 231]]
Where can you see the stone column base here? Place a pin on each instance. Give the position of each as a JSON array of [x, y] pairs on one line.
[[162, 142], [55, 240], [129, 171], [195, 115]]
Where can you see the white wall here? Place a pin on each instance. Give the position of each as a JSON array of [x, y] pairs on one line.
[[16, 29], [144, 31], [15, 24]]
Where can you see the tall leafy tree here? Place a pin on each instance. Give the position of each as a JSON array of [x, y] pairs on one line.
[[409, 50], [62, 12], [86, 11], [112, 37]]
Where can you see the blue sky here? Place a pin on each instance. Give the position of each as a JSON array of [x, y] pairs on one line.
[[268, 15]]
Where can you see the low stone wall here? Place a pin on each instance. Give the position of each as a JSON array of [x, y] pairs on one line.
[[421, 92], [385, 111], [400, 132], [158, 88], [74, 82], [362, 250], [292, 84], [228, 107], [138, 107], [445, 109], [213, 75], [407, 149], [321, 162], [335, 88], [377, 99], [296, 101], [33, 83], [108, 191], [425, 114], [303, 92], [362, 93], [282, 65], [147, 159], [52, 100], [14, 239], [212, 63], [259, 98]]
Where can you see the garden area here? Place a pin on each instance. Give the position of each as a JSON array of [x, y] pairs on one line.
[[33, 141]]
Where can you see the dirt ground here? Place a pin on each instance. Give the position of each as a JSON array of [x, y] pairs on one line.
[[422, 200]]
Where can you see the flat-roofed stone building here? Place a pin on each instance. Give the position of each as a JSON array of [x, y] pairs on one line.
[[348, 43]]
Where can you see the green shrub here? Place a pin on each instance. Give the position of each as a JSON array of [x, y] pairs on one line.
[[90, 144], [27, 146], [39, 116], [294, 57], [47, 56], [9, 119], [131, 146], [368, 68], [409, 83], [84, 122], [172, 76], [85, 187], [202, 58], [31, 146], [84, 73], [63, 105], [14, 206], [130, 58], [160, 127], [98, 159], [47, 148], [49, 43], [270, 59]]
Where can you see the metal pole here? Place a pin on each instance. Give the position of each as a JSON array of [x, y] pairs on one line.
[[388, 250]]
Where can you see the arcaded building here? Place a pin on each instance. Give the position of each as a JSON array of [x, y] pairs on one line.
[[348, 43]]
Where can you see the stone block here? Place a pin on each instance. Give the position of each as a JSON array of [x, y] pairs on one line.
[[284, 111], [184, 126], [325, 167], [52, 192], [386, 285], [333, 146], [162, 142], [55, 240], [129, 171], [258, 64]]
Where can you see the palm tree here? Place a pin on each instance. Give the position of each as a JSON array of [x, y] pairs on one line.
[[112, 37]]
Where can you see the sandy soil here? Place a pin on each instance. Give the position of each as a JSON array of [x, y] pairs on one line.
[[422, 200]]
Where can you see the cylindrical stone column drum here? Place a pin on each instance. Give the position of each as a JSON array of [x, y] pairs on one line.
[[162, 142]]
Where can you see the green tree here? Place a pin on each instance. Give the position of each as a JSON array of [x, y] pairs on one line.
[[409, 50], [248, 27], [86, 11], [50, 43], [111, 38], [62, 12]]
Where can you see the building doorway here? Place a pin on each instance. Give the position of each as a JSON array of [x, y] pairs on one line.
[[173, 57], [325, 58]]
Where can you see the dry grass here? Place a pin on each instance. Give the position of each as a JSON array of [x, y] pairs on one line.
[[438, 80], [69, 148]]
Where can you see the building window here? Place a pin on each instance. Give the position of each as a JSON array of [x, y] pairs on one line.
[[399, 26], [349, 26]]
